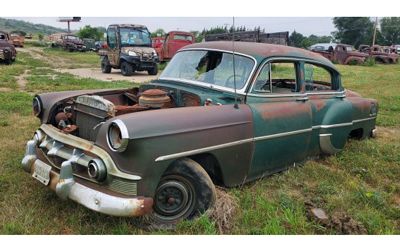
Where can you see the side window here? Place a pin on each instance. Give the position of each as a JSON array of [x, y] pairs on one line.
[[276, 78], [111, 38], [317, 78], [262, 83], [283, 77]]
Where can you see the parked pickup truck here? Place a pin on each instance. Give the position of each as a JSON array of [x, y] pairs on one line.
[[17, 40], [167, 46], [343, 54], [379, 54]]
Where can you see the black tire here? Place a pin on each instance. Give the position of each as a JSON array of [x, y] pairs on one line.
[[184, 192], [126, 69], [153, 71], [105, 65]]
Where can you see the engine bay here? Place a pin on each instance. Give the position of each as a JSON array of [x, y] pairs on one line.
[[83, 115]]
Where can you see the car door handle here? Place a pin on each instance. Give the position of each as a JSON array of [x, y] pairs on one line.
[[341, 96], [302, 99]]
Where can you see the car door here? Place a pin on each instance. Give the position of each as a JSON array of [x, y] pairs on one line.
[[332, 112], [282, 118], [113, 47]]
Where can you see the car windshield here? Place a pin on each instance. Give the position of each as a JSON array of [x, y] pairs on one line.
[[135, 37], [211, 67], [349, 48]]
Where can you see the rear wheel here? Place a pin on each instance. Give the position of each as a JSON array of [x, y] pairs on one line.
[[153, 71], [105, 65], [184, 192], [126, 69]]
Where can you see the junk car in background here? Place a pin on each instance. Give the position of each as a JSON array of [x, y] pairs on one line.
[[7, 49]]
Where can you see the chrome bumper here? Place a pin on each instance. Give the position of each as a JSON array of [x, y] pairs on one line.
[[66, 187]]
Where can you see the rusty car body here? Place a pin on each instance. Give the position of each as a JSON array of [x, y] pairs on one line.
[[379, 54], [172, 42], [342, 54], [7, 49], [67, 42], [17, 40], [128, 48], [163, 146]]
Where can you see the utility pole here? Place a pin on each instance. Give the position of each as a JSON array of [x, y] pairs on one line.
[[375, 27]]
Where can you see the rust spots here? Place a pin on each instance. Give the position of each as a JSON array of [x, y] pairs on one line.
[[318, 103], [144, 205], [270, 111]]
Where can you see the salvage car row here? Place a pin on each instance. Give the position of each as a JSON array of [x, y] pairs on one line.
[[346, 54]]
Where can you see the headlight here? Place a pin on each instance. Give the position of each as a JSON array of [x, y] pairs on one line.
[[36, 106], [131, 53], [97, 170], [117, 136]]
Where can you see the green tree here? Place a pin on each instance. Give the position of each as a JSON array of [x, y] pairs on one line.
[[19, 32], [390, 30], [90, 32], [40, 37], [354, 30], [158, 32], [296, 39]]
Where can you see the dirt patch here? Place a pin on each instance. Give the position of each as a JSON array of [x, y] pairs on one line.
[[53, 60], [223, 211], [21, 79], [387, 133], [96, 73], [3, 89], [339, 221]]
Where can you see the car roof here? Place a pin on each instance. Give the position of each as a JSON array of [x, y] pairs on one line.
[[262, 50], [129, 26]]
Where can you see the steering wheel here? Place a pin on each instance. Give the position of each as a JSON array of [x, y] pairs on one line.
[[230, 83]]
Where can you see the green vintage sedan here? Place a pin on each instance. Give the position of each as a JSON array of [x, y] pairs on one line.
[[221, 113]]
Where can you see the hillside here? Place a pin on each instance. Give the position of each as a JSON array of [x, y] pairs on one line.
[[12, 24]]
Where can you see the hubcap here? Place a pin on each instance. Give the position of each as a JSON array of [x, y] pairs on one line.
[[173, 199]]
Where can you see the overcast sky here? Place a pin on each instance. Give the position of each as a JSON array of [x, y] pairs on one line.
[[304, 25]]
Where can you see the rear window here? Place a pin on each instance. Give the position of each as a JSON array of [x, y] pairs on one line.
[[183, 37]]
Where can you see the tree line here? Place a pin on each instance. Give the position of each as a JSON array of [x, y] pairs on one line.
[[349, 30]]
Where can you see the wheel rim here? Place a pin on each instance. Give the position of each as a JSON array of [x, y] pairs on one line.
[[174, 199]]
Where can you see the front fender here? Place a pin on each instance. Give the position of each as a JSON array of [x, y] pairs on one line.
[[159, 137]]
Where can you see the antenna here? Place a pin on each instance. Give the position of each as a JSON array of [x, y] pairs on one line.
[[236, 106]]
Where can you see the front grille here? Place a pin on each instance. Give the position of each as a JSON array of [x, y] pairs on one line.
[[56, 153], [123, 186], [91, 111]]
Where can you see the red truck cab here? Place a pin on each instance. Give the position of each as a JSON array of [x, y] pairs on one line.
[[167, 47]]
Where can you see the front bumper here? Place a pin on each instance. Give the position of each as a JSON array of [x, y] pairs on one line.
[[66, 186], [5, 54]]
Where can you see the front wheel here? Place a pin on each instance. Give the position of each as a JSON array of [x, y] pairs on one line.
[[153, 71], [126, 69], [184, 192]]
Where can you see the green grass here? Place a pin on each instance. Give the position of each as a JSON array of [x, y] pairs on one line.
[[362, 181], [89, 58]]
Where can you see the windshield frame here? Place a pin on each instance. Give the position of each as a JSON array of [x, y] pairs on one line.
[[134, 45], [241, 91]]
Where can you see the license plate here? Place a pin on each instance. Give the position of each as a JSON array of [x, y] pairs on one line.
[[42, 172]]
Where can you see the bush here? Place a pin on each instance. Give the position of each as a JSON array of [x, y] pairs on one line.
[[369, 62]]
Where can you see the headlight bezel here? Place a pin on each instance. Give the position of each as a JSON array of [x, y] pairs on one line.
[[37, 106], [117, 136]]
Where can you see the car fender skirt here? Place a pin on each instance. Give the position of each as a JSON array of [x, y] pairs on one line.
[[326, 144]]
